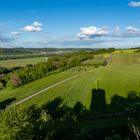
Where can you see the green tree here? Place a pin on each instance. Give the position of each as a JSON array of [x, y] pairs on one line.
[[16, 123], [1, 85], [105, 63], [15, 80]]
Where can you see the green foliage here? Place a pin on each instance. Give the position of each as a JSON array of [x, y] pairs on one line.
[[1, 85], [105, 63], [4, 70], [15, 81], [16, 123], [115, 137], [33, 72], [55, 121]]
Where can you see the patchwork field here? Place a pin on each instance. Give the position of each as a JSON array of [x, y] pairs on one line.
[[21, 62]]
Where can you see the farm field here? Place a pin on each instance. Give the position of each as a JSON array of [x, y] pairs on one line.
[[21, 62]]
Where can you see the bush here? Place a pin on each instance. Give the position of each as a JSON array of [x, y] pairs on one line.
[[30, 73], [1, 85], [15, 81], [16, 123], [105, 63]]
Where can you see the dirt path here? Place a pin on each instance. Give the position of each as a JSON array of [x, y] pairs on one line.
[[45, 89]]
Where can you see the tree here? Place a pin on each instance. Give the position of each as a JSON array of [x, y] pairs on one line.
[[15, 80], [105, 63], [1, 85], [134, 108], [16, 123]]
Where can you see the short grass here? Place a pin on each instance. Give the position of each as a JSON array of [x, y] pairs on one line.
[[125, 59], [124, 51], [21, 62], [115, 59], [96, 60], [28, 89], [114, 79]]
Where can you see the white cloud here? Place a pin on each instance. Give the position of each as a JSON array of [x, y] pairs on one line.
[[132, 30], [35, 27], [30, 28], [37, 24], [134, 3], [15, 33], [91, 32]]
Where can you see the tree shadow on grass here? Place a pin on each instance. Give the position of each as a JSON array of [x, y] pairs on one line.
[[127, 105], [6, 102], [76, 122]]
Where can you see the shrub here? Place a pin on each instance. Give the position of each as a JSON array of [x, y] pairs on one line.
[[16, 123], [30, 73], [1, 85], [15, 80], [105, 63]]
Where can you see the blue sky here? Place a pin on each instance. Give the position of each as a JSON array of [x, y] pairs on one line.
[[70, 23]]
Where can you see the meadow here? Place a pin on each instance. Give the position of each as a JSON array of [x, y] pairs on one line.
[[113, 79], [21, 62], [119, 77], [29, 89]]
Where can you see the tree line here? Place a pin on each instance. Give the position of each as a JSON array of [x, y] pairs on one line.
[[31, 73]]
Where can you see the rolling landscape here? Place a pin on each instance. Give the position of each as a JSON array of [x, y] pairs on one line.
[[57, 86]]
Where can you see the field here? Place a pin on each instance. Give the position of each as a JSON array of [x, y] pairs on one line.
[[21, 62], [113, 79], [124, 51], [29, 89], [119, 77]]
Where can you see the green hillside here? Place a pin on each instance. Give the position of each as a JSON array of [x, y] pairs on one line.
[[119, 80], [119, 77]]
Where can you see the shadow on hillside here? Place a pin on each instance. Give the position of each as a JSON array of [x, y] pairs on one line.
[[98, 101], [69, 121], [118, 105], [127, 105], [6, 102]]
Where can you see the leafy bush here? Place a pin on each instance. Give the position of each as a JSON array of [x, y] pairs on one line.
[[15, 80], [105, 63], [16, 123], [56, 64], [1, 85]]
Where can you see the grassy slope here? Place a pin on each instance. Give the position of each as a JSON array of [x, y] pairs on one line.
[[125, 59], [118, 79], [115, 79], [21, 62], [29, 89]]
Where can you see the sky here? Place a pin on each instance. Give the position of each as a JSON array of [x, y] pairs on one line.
[[70, 23]]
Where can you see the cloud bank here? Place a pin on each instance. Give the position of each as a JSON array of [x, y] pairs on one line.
[[91, 32], [134, 3]]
